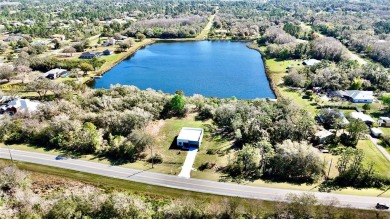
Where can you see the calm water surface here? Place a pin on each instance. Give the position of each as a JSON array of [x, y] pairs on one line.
[[211, 68]]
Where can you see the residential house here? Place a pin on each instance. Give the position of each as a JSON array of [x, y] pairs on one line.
[[344, 120], [323, 136], [90, 55], [39, 43], [190, 137], [106, 52], [363, 117], [55, 73], [355, 96], [59, 37], [311, 62], [109, 42], [376, 132], [384, 121], [20, 105], [13, 38]]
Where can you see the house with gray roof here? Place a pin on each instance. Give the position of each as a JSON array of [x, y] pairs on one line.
[[90, 55], [355, 96]]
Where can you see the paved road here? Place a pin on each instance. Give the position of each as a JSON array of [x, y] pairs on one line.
[[197, 185]]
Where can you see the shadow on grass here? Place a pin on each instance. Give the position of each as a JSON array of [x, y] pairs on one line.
[[174, 146], [329, 186]]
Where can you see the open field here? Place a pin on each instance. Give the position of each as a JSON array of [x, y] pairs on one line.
[[372, 154]]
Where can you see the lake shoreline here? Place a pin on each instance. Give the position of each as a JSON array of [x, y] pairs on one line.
[[131, 52], [125, 56], [272, 84]]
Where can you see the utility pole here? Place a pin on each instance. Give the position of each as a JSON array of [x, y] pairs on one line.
[[151, 154], [330, 165], [9, 151]]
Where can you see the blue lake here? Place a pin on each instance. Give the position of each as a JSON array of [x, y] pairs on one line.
[[210, 68]]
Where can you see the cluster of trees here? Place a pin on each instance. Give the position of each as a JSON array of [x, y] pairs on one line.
[[367, 35], [341, 76], [81, 19], [237, 27], [176, 27], [19, 200], [287, 161], [19, 70], [353, 171], [281, 44], [273, 137], [104, 122]]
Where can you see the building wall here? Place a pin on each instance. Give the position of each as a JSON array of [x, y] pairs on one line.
[[187, 143], [362, 101]]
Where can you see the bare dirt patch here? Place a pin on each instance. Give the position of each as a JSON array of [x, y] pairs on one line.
[[44, 184], [154, 128]]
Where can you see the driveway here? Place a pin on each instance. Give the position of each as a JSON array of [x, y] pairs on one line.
[[188, 163]]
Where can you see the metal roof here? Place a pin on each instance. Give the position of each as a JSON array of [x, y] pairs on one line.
[[190, 134]]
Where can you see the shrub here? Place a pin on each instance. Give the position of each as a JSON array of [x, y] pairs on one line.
[[211, 151], [157, 158], [386, 140], [206, 165]]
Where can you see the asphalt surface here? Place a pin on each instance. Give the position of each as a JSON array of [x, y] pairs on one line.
[[197, 185]]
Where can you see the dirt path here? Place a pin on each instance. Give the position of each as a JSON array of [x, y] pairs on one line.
[[352, 55], [206, 29], [154, 127]]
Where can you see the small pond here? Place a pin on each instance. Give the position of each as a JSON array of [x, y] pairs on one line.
[[211, 68]]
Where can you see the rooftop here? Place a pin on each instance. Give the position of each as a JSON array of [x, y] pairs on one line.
[[362, 116], [323, 134], [311, 62], [190, 134]]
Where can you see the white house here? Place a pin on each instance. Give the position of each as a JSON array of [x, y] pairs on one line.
[[361, 96], [55, 73], [384, 121], [363, 117], [20, 105], [190, 137], [356, 96], [376, 132], [323, 136], [311, 62], [109, 42]]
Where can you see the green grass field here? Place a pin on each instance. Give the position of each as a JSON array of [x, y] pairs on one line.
[[385, 130], [372, 154]]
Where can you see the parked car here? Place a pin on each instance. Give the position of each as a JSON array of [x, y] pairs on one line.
[[51, 76], [59, 157], [381, 206]]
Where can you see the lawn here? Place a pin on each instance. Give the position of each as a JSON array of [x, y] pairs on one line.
[[174, 158], [277, 70], [372, 154], [385, 130]]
